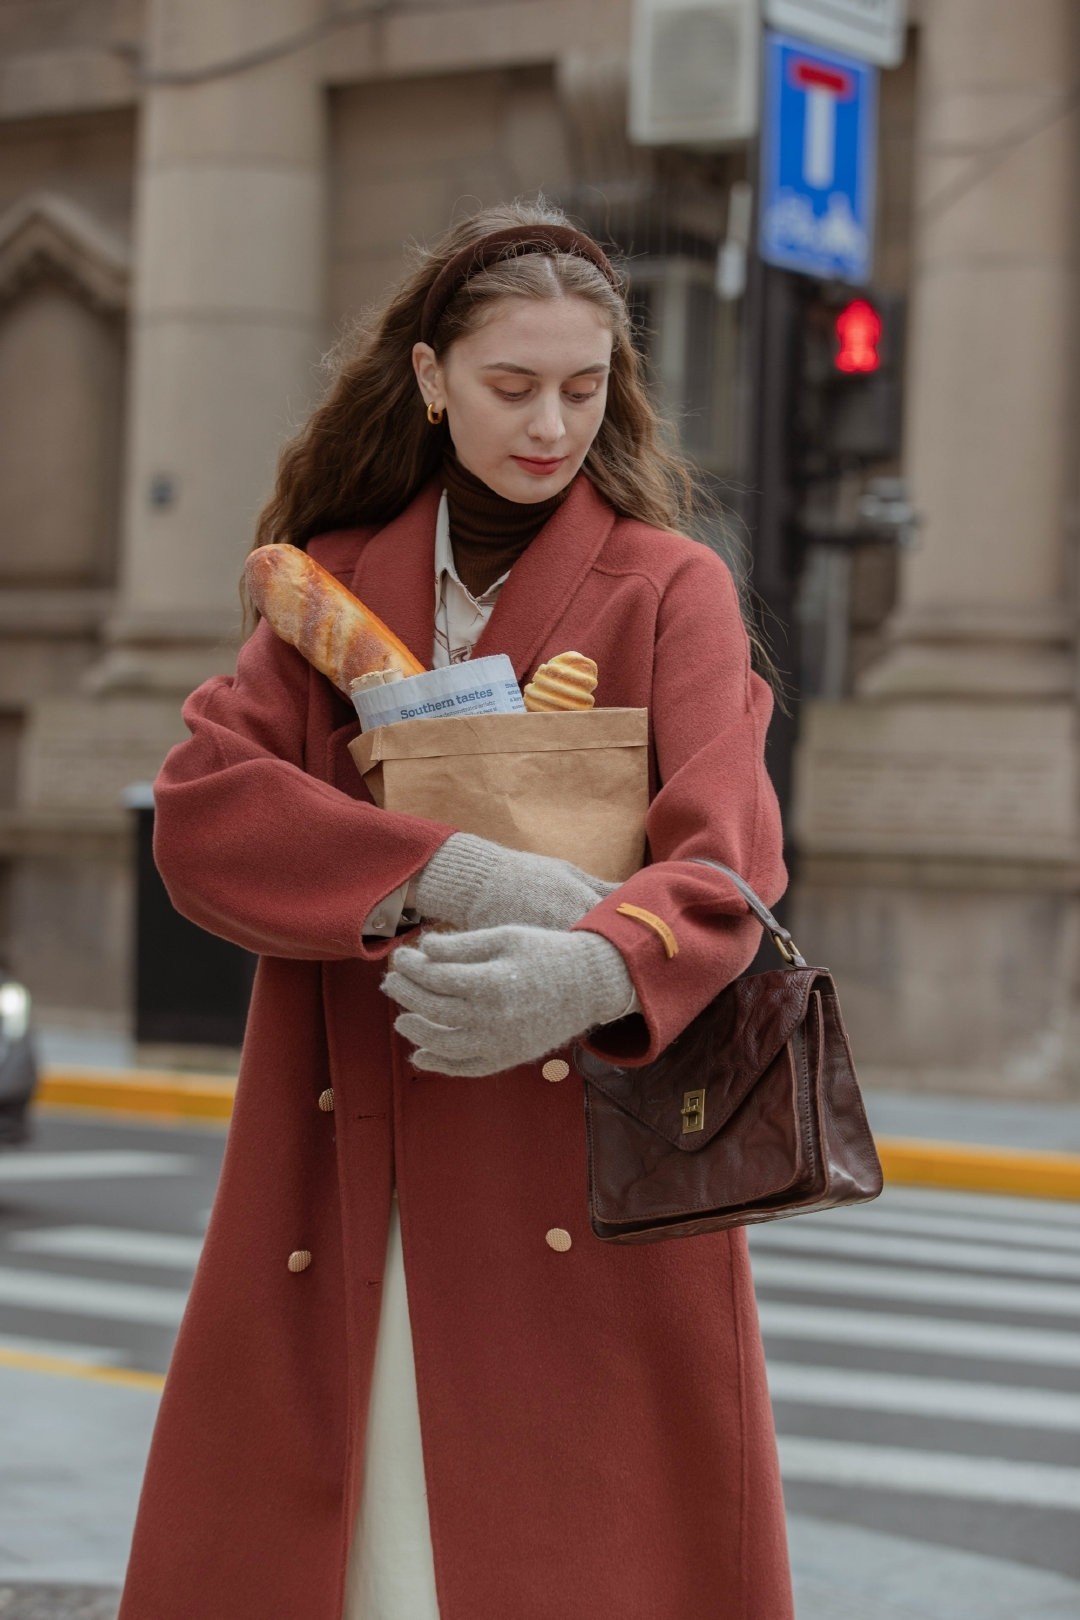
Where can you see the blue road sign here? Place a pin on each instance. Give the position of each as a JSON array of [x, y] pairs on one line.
[[818, 160]]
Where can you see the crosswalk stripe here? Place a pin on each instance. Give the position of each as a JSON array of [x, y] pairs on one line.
[[890, 1246], [987, 1229], [924, 1286], [111, 1243], [97, 1165], [929, 1473], [955, 1399], [84, 1296], [95, 1354], [938, 1335], [1017, 1210]]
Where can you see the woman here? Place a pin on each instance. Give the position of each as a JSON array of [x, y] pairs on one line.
[[587, 1431]]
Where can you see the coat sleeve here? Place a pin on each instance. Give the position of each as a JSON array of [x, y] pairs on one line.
[[252, 846], [710, 713]]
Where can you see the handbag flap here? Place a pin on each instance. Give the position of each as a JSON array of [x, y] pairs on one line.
[[724, 1052]]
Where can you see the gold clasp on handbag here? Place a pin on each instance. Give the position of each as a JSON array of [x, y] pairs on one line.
[[693, 1111]]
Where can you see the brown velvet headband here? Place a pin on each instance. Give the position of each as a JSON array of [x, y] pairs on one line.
[[506, 244]]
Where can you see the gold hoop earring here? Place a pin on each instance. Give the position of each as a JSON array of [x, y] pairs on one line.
[[434, 416]]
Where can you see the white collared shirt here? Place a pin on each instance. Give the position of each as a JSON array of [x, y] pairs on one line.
[[460, 617]]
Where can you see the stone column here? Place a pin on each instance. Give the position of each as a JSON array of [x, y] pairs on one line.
[[986, 597], [227, 321], [938, 809], [226, 332]]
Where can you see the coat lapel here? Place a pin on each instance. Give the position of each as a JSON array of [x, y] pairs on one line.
[[395, 573], [545, 578]]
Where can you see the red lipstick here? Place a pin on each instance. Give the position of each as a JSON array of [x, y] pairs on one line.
[[539, 466]]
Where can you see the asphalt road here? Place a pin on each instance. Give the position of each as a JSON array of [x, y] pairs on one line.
[[101, 1224], [924, 1361], [924, 1354]]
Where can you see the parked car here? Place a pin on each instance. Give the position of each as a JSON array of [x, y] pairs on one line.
[[18, 1060]]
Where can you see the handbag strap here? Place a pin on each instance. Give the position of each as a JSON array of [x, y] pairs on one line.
[[778, 933]]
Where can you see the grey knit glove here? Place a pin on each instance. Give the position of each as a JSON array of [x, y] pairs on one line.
[[473, 883], [481, 1002]]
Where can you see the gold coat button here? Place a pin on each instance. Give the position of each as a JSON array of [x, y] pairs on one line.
[[555, 1069], [326, 1100], [300, 1259], [558, 1239]]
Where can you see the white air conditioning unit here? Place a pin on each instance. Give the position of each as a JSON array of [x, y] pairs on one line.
[[694, 72]]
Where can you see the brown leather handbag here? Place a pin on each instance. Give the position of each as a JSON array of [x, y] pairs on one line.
[[753, 1113]]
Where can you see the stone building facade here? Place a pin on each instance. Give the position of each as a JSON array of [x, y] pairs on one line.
[[937, 805], [197, 196]]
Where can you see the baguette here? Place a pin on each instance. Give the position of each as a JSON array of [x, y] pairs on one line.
[[313, 611]]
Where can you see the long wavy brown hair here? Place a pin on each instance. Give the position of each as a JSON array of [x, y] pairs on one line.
[[368, 448]]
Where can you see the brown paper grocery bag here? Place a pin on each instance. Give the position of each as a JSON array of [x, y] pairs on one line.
[[572, 784]]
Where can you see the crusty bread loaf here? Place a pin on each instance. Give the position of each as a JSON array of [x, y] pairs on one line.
[[313, 611], [564, 682], [374, 677]]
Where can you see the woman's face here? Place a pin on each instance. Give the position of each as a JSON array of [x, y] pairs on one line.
[[524, 393]]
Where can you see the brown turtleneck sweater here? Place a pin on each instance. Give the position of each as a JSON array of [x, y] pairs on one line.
[[488, 533]]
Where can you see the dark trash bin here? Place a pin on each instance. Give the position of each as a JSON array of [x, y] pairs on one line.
[[191, 988]]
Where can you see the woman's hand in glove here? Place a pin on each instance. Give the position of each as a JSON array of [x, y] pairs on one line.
[[480, 1002], [473, 883]]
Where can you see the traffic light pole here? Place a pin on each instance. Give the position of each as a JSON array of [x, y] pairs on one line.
[[772, 310]]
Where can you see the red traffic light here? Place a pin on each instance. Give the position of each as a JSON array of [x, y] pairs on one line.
[[858, 332]]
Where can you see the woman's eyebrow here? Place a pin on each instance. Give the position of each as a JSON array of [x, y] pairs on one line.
[[523, 371]]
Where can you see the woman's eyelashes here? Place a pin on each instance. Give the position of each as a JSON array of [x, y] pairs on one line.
[[575, 396]]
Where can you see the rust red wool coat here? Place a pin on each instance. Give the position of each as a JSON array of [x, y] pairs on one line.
[[596, 1429]]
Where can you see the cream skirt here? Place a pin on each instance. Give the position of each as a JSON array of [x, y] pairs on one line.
[[391, 1575]]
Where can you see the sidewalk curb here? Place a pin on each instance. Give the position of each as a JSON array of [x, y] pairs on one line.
[[906, 1161], [159, 1095], [966, 1167]]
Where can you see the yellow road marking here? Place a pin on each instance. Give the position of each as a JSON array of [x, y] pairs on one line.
[[62, 1367]]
